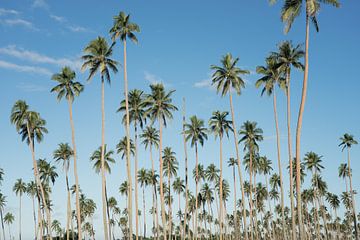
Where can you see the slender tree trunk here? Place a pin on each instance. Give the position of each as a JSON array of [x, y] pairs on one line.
[[108, 212], [316, 206], [136, 184], [128, 149], [352, 196], [209, 209], [170, 202], [2, 223], [337, 225], [250, 196], [279, 166], [221, 192], [144, 214], [298, 130], [236, 229], [272, 234], [324, 217], [157, 213], [68, 212], [161, 181], [197, 191], [20, 217], [154, 195], [186, 176], [239, 168], [40, 220], [104, 202], [34, 217]]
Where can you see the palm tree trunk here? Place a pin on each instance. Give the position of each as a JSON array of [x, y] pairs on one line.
[[221, 191], [128, 149], [337, 225], [290, 154], [237, 231], [157, 213], [170, 202], [49, 222], [256, 206], [250, 196], [68, 212], [279, 166], [104, 202], [239, 167], [298, 130], [209, 209], [136, 184], [154, 195], [34, 217], [272, 234], [186, 176], [197, 190], [2, 222], [40, 221], [161, 181], [144, 213], [108, 212], [352, 196], [324, 218], [77, 196], [20, 218]]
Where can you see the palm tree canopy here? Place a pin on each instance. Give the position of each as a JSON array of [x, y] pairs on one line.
[[143, 177], [150, 137], [228, 75], [63, 154], [212, 173], [178, 185], [289, 56], [97, 58], [170, 164], [251, 134], [66, 85], [19, 187], [9, 218], [123, 28], [232, 162], [124, 188], [347, 140], [343, 170], [121, 147], [219, 124], [96, 158], [137, 111], [195, 131], [313, 161], [47, 171]]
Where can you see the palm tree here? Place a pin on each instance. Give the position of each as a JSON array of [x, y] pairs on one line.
[[32, 191], [56, 227], [123, 29], [9, 219], [272, 76], [226, 78], [19, 189], [150, 138], [31, 127], [219, 125], [2, 206], [290, 11], [196, 132], [251, 134], [334, 202], [1, 175], [344, 173], [63, 155], [143, 178], [347, 140], [179, 187], [160, 109], [232, 162], [208, 197], [68, 87], [97, 58]]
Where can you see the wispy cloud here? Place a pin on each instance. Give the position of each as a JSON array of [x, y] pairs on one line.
[[40, 4], [26, 87], [58, 18], [19, 22], [152, 78], [205, 83], [79, 29], [35, 57], [4, 12], [24, 68]]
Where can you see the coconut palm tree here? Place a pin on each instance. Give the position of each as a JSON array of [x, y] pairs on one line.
[[290, 11], [160, 109], [98, 59], [56, 227], [251, 135], [1, 175], [19, 189], [9, 219], [227, 77], [124, 29], [67, 87], [143, 178], [179, 187], [32, 191], [232, 162], [347, 140], [208, 196], [334, 202], [63, 155], [31, 127], [2, 206], [220, 126], [344, 174], [195, 131], [272, 76]]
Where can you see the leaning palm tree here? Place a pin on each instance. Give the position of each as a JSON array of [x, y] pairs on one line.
[[136, 109], [347, 140], [160, 109], [19, 189], [31, 127], [220, 126], [271, 77], [196, 132], [2, 206], [9, 219], [63, 155], [288, 57], [290, 11], [226, 78], [251, 135], [97, 59], [67, 87], [124, 29]]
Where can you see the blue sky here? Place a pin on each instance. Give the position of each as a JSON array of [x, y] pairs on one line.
[[177, 44]]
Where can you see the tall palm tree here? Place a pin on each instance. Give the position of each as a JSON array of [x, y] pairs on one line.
[[272, 76], [123, 29], [220, 126], [208, 197], [19, 189], [31, 127], [32, 191], [232, 162], [63, 155], [67, 87], [344, 173], [9, 219], [2, 206], [290, 11], [226, 78], [143, 178], [334, 202], [97, 59], [196, 132], [251, 135], [179, 187], [150, 138], [347, 140], [160, 109], [137, 115]]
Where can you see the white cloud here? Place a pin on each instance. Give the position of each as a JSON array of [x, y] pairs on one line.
[[40, 4], [35, 57], [58, 18], [205, 83], [19, 22], [24, 68], [78, 29], [153, 79], [31, 87], [4, 11]]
